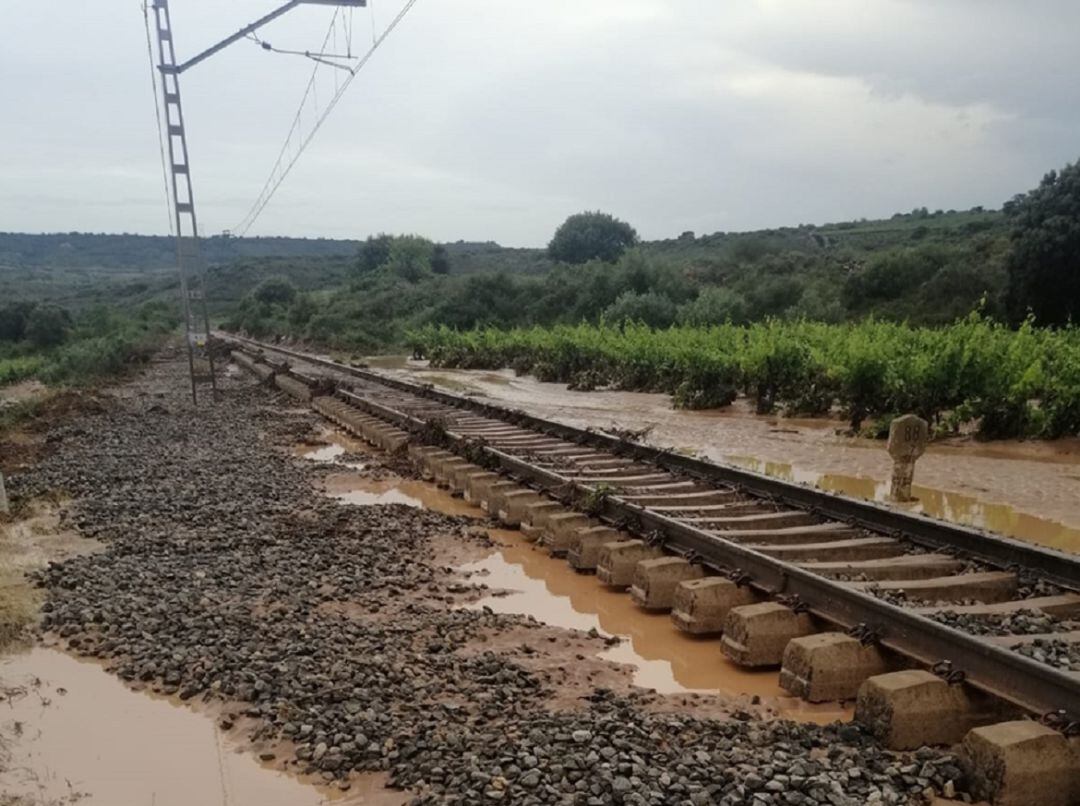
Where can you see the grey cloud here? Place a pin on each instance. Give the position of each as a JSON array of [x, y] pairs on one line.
[[496, 120]]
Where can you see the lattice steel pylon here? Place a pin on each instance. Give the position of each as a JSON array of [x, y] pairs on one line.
[[189, 257]]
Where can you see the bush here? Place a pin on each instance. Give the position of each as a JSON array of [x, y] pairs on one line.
[[650, 308], [13, 318], [715, 306], [1006, 383], [274, 291], [591, 236], [47, 326]]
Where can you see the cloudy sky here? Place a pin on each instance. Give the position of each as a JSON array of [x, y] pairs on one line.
[[494, 119]]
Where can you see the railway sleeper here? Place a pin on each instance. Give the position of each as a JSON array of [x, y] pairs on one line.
[[514, 507], [701, 605], [912, 566], [790, 536], [762, 520], [617, 562], [1065, 604], [987, 586], [1068, 636], [647, 480], [561, 529], [1020, 762], [724, 512], [293, 387], [756, 635], [585, 546], [661, 574], [655, 580], [863, 548], [829, 666], [910, 708]]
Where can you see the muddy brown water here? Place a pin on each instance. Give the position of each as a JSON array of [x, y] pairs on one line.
[[941, 504], [1024, 489], [76, 733], [661, 657]]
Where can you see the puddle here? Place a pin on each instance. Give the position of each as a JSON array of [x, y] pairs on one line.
[[941, 504], [85, 737], [387, 361], [39, 538], [355, 488], [335, 445], [989, 484], [663, 658], [325, 453]]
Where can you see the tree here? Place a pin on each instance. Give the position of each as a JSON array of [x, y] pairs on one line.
[[410, 257], [1044, 262], [440, 260], [275, 291], [591, 235], [374, 252], [301, 311], [47, 326], [13, 318]]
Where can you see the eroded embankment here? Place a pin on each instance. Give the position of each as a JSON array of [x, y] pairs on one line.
[[334, 637]]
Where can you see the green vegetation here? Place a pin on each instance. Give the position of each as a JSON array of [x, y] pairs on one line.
[[591, 236], [1008, 383], [872, 317], [1044, 263], [50, 344], [922, 267]]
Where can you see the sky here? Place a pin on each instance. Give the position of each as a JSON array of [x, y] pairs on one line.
[[495, 119]]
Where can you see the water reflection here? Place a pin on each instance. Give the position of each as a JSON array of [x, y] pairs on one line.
[[663, 658], [943, 504]]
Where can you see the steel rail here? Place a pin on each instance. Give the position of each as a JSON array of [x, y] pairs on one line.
[[992, 549], [994, 670], [999, 672]]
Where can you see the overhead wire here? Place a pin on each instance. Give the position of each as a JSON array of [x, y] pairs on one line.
[[297, 122], [282, 166], [157, 115]]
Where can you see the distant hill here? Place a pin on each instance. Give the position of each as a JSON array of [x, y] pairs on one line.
[[104, 251], [930, 266]]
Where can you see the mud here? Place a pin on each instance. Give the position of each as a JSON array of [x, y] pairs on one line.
[[662, 658], [527, 580], [334, 636], [21, 392], [87, 738], [1029, 490]]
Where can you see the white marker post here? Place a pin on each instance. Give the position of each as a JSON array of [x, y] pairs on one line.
[[908, 436], [4, 508]]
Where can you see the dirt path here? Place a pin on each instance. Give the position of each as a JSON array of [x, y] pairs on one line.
[[336, 642]]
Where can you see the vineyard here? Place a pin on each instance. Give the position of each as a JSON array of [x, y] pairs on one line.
[[975, 373]]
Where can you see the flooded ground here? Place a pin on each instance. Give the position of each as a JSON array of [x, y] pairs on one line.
[[547, 588], [72, 732], [80, 735], [1029, 490]]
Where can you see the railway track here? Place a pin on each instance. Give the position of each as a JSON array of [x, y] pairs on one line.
[[767, 564]]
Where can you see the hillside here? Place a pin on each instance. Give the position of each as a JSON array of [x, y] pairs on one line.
[[923, 266]]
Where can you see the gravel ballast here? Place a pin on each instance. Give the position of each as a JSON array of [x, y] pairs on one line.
[[334, 629]]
